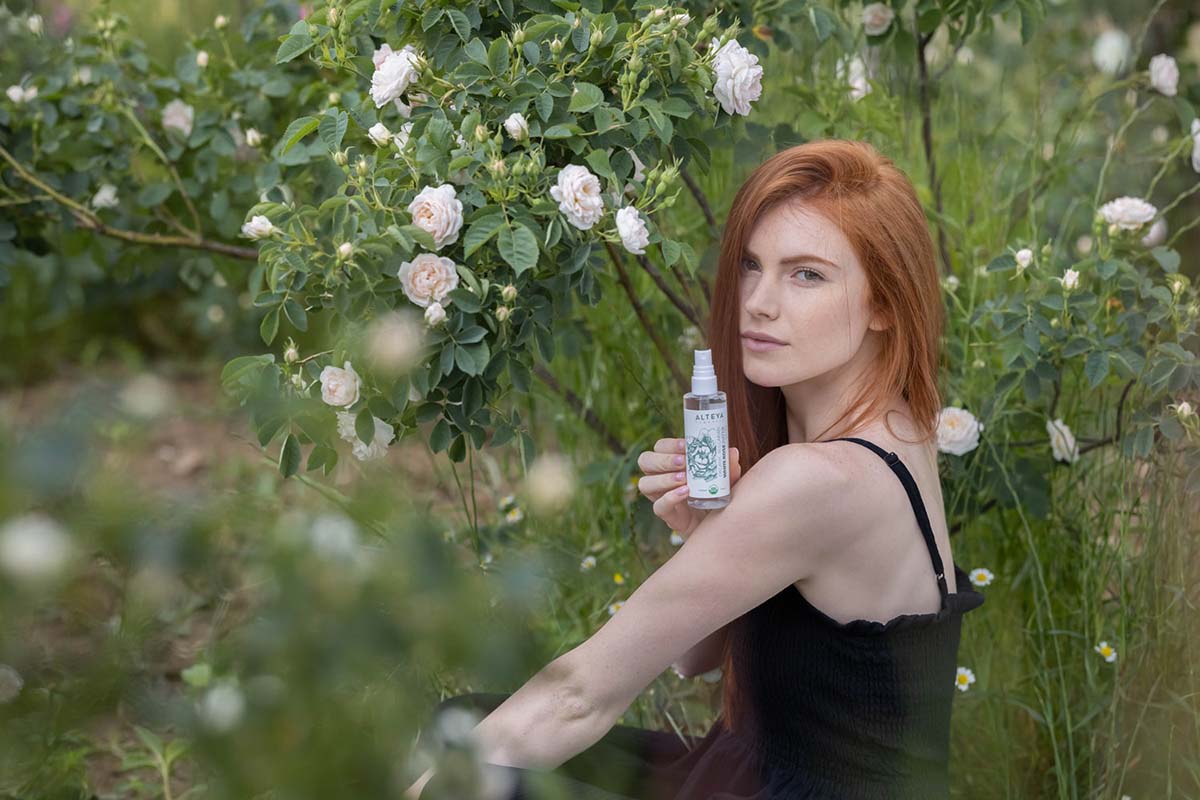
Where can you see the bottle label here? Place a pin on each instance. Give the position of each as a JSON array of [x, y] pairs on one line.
[[707, 434]]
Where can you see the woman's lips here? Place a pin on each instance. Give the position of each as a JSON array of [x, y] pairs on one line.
[[759, 346]]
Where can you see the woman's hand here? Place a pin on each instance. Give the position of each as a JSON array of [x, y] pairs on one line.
[[665, 469]]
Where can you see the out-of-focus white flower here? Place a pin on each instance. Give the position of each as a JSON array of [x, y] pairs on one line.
[[676, 539], [957, 431], [737, 77], [221, 708], [379, 134], [615, 606], [550, 483], [853, 71], [259, 227], [877, 18], [632, 228], [1083, 245], [978, 363], [18, 94], [587, 563], [34, 547], [202, 58], [1159, 134], [454, 724], [516, 126], [1111, 51], [178, 115], [1183, 409], [1157, 233], [83, 75], [514, 515], [1024, 257], [428, 278], [439, 211], [435, 314], [577, 191], [394, 342], [1108, 651], [339, 385], [1128, 213], [952, 282], [508, 293], [146, 395], [105, 197], [1062, 441], [379, 440], [254, 137], [35, 23], [1164, 74], [394, 73], [981, 576], [10, 683], [220, 22], [1069, 280], [963, 678]]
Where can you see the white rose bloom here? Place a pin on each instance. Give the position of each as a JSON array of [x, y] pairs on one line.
[[1196, 144], [632, 228], [401, 137], [220, 22], [516, 126], [578, 194], [737, 77], [1128, 213], [379, 442], [681, 19], [877, 18], [34, 546], [105, 197], [379, 134], [1164, 74], [1069, 280], [178, 115], [15, 93], [339, 386], [1157, 233], [1111, 51], [1184, 409], [957, 431], [853, 70], [394, 74], [1062, 441], [202, 58], [254, 137], [428, 278], [259, 227], [1024, 257], [439, 211], [435, 314]]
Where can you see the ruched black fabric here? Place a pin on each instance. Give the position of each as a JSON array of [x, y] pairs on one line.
[[830, 710]]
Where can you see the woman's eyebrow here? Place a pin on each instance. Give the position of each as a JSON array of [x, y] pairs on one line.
[[798, 259]]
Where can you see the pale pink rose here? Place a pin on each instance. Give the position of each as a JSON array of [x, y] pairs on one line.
[[428, 278], [439, 211], [339, 387]]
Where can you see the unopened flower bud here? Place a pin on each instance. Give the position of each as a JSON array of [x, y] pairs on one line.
[[335, 98], [333, 16], [291, 354], [635, 63], [1047, 250], [575, 22], [345, 250], [502, 313], [481, 133], [340, 158], [498, 167], [556, 45], [518, 36], [596, 37], [363, 167], [220, 22], [508, 293]]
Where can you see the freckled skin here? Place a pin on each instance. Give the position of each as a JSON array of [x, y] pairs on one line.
[[823, 313]]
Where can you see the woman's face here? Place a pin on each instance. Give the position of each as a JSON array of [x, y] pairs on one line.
[[818, 305]]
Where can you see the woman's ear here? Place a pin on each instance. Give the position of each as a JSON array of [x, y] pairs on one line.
[[881, 320]]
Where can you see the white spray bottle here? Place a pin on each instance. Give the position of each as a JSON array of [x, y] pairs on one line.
[[706, 431]]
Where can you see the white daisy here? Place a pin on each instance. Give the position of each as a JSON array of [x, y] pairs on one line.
[[981, 576], [1108, 651], [963, 679]]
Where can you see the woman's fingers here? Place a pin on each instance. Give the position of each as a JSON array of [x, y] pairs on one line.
[[654, 485]]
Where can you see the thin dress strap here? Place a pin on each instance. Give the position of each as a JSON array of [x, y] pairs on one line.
[[914, 497]]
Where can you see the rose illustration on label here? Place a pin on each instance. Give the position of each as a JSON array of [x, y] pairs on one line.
[[702, 456]]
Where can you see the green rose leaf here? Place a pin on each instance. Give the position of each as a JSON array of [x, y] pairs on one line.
[[519, 247]]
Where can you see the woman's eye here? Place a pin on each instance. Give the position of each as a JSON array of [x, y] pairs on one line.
[[815, 276]]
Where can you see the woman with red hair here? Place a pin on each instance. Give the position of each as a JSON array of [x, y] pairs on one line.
[[822, 588]]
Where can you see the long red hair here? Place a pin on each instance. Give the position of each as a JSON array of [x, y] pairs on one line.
[[875, 206]]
